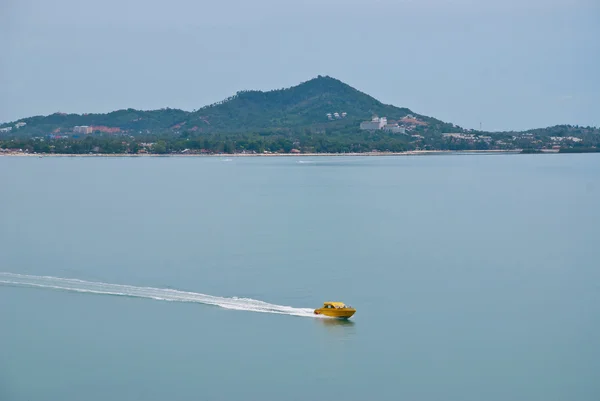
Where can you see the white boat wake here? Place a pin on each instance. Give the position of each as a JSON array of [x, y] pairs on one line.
[[161, 294]]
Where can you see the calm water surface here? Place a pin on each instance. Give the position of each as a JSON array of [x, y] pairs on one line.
[[475, 278]]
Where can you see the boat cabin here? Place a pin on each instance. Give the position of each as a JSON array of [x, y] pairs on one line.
[[334, 305]]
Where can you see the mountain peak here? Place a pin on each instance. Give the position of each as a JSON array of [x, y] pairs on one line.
[[307, 104], [325, 81]]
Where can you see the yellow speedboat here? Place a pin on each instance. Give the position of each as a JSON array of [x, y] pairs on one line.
[[336, 309]]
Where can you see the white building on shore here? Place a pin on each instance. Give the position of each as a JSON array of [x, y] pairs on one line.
[[376, 123], [395, 129], [82, 129]]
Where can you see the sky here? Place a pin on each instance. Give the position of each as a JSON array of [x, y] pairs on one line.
[[504, 64]]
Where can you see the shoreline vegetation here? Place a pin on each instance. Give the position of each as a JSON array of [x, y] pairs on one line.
[[282, 154]]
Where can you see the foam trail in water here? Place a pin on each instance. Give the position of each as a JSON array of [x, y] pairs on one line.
[[162, 294]]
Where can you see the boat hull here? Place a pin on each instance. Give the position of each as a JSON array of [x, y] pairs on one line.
[[344, 313]]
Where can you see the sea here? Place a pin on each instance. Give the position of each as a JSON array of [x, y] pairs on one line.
[[475, 277]]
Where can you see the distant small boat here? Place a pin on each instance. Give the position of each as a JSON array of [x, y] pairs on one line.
[[336, 309]]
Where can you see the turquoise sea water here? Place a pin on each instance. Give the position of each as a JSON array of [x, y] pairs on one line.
[[475, 278]]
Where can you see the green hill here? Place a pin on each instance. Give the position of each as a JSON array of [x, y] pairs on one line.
[[304, 106]]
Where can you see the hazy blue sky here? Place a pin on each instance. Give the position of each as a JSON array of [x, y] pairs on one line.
[[510, 64]]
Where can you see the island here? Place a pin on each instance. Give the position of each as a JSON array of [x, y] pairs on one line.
[[320, 116]]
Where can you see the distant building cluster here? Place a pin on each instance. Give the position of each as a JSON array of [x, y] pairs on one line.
[[336, 116], [381, 123], [82, 129], [471, 138], [16, 126], [557, 139], [458, 135]]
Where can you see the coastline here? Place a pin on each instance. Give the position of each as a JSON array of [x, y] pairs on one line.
[[407, 153]]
